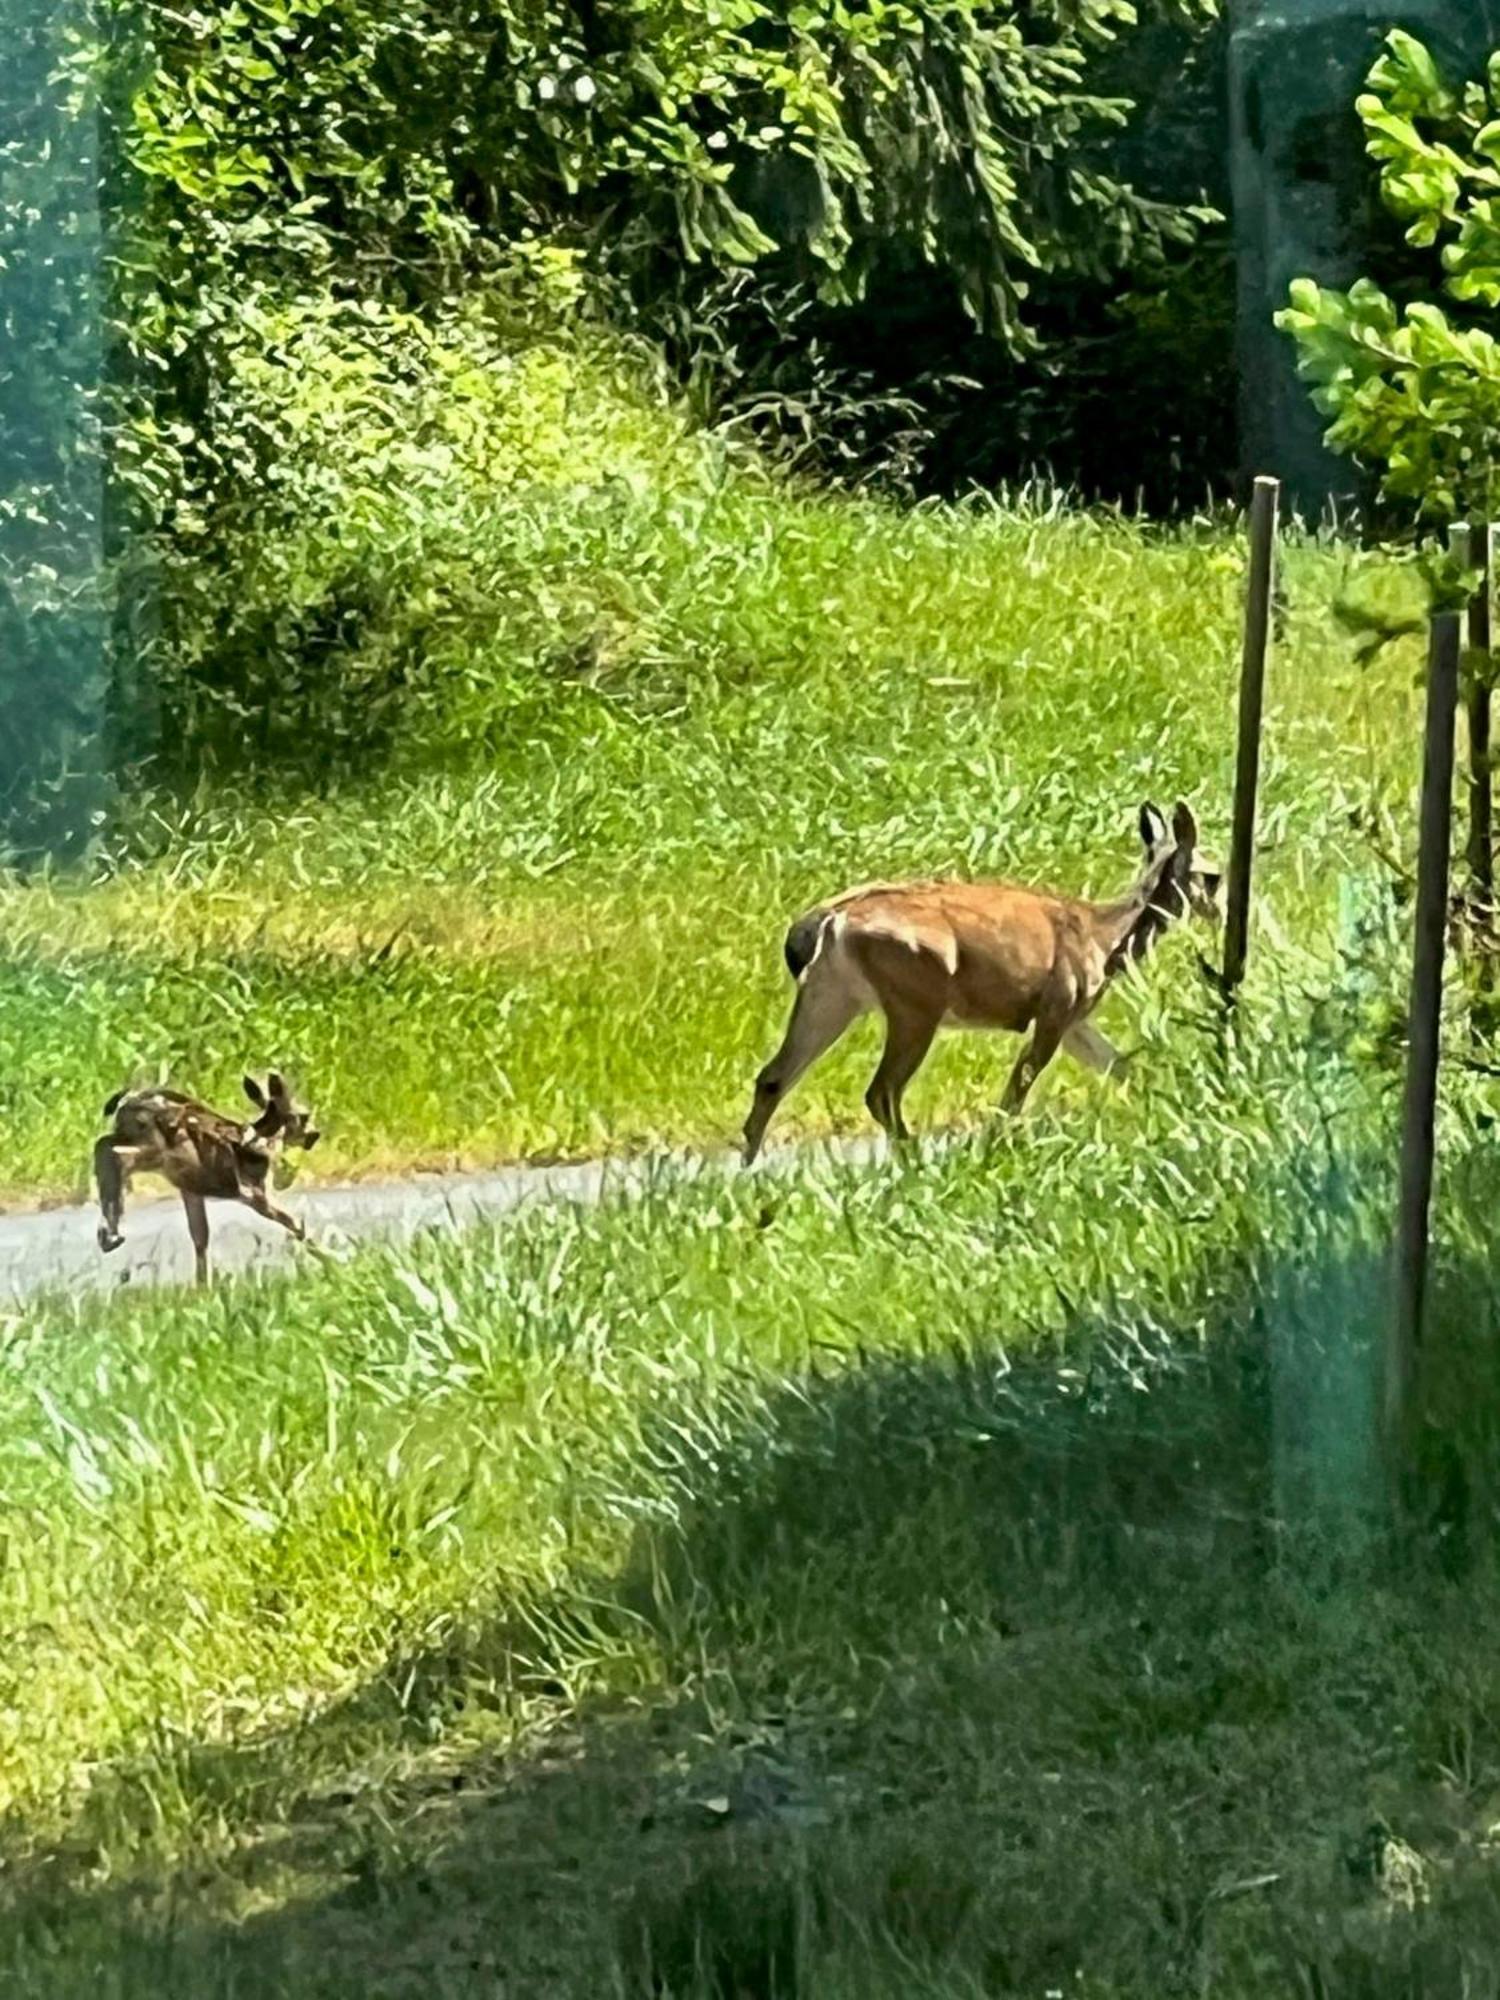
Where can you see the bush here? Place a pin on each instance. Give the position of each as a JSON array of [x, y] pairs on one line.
[[1415, 390], [398, 478]]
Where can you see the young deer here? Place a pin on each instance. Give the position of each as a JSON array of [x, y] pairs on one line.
[[204, 1155], [978, 955]]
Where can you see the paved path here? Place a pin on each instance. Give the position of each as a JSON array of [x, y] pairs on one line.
[[56, 1249]]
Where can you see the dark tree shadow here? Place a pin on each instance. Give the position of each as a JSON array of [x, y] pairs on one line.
[[1098, 1607]]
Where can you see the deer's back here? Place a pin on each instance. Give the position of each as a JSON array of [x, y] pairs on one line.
[[987, 951]]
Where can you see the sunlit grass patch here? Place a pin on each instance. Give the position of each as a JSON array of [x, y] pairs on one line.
[[568, 942]]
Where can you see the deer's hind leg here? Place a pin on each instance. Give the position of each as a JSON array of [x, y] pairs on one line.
[[828, 1000], [908, 1037], [112, 1165]]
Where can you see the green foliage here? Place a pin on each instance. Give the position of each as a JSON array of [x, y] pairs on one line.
[[52, 522], [390, 470], [326, 134], [1415, 389], [312, 184]]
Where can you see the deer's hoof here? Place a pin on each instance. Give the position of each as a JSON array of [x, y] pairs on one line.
[[108, 1239]]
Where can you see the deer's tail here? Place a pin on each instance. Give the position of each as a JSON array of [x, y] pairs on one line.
[[802, 941]]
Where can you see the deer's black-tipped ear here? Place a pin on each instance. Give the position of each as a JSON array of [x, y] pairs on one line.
[[1184, 826], [1153, 827], [254, 1092], [114, 1104], [277, 1087]]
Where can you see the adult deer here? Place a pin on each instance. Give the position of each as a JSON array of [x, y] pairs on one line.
[[204, 1155], [977, 955]]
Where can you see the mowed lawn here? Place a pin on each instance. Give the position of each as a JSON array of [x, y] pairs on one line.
[[562, 937]]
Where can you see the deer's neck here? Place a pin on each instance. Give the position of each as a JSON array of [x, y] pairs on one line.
[[1128, 928]]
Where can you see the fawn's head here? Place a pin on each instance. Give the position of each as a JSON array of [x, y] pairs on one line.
[[1179, 880], [280, 1118]]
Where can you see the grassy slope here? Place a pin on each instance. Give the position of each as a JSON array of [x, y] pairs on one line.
[[715, 1575], [567, 940]]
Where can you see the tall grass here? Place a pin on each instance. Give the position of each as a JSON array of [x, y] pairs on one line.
[[878, 1575], [559, 935]]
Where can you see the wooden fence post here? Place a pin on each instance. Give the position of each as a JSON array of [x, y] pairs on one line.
[[1480, 851], [1264, 509], [1424, 1021]]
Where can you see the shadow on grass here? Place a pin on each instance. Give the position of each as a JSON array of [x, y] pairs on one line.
[[1081, 1675]]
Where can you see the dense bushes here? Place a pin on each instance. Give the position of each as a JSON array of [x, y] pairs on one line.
[[339, 261], [402, 464]]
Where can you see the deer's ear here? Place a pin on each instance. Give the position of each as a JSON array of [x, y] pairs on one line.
[[1184, 826], [1153, 827], [279, 1092], [254, 1092]]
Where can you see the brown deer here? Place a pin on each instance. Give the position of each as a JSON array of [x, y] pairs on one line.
[[204, 1155], [977, 955]]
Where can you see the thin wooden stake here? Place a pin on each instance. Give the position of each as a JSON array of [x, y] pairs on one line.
[[1480, 854], [1425, 1015], [1264, 509]]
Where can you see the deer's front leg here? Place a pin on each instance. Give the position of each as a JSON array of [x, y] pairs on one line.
[[1046, 1035], [1086, 1045]]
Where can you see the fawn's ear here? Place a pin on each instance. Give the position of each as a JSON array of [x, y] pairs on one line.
[[254, 1092], [279, 1092]]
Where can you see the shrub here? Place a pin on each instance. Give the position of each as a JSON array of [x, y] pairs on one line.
[[1415, 390]]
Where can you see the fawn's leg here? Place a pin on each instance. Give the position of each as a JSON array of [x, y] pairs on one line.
[[908, 1037], [197, 1222], [112, 1164], [825, 1005], [260, 1200]]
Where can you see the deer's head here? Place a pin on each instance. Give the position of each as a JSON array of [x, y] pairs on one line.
[[1179, 880], [280, 1119]]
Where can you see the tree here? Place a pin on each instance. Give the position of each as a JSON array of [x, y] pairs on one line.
[[52, 611], [1414, 389]]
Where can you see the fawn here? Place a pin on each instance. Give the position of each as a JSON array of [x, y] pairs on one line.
[[977, 955], [204, 1155]]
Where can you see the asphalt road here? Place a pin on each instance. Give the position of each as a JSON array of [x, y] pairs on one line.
[[55, 1250]]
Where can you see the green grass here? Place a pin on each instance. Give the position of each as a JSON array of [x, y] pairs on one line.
[[944, 1576], [949, 1578], [561, 934]]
